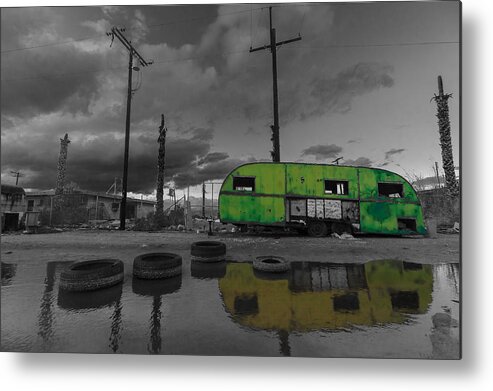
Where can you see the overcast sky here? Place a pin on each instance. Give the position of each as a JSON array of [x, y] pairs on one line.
[[358, 86]]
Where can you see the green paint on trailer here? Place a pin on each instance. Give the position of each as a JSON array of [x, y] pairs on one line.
[[248, 209], [308, 180], [276, 183]]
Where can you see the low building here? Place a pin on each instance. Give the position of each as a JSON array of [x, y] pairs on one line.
[[99, 206], [13, 206]]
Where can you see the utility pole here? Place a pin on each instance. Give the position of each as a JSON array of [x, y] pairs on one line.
[[118, 32], [437, 174], [16, 174], [203, 200], [276, 153]]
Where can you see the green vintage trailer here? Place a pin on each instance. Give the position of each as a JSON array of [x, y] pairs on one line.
[[320, 198]]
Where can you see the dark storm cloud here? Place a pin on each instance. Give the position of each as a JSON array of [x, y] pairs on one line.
[[335, 94], [93, 164], [213, 157], [322, 151], [393, 152], [195, 175], [29, 88]]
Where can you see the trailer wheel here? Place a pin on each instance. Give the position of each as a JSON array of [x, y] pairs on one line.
[[317, 228], [340, 228]]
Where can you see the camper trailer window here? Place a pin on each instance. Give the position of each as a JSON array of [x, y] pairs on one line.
[[392, 190], [336, 187], [244, 183]]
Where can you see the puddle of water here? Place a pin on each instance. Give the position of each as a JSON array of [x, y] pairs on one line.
[[379, 309]]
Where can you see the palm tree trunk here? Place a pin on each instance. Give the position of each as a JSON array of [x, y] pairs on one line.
[[445, 140], [160, 175]]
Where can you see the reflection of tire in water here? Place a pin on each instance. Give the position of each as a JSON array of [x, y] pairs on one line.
[[92, 300], [151, 288], [271, 276], [210, 270], [155, 289], [208, 251], [95, 300], [92, 275], [8, 271], [157, 265], [271, 264]]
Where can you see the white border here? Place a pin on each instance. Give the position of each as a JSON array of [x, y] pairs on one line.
[[474, 372]]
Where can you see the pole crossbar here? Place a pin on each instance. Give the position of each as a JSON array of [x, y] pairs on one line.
[[276, 152]]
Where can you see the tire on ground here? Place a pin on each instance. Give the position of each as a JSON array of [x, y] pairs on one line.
[[152, 266], [91, 275], [208, 251], [271, 264]]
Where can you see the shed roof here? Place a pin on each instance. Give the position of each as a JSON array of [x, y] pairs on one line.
[[10, 189]]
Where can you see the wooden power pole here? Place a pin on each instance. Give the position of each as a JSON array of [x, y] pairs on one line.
[[276, 153], [118, 32], [203, 200]]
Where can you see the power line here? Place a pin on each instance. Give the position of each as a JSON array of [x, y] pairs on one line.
[[117, 68], [335, 46], [51, 44], [62, 75], [169, 23], [297, 47]]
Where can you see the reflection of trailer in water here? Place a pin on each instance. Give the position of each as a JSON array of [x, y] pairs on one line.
[[316, 296], [320, 198]]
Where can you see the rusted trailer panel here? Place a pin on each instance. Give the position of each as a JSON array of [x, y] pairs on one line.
[[320, 198]]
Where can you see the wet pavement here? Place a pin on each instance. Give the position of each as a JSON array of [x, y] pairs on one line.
[[381, 308]]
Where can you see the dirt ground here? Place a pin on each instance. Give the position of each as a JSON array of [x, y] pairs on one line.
[[89, 244]]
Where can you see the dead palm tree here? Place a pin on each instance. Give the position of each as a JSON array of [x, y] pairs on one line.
[[160, 174], [445, 140]]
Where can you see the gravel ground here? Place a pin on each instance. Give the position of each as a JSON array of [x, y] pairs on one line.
[[85, 244]]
